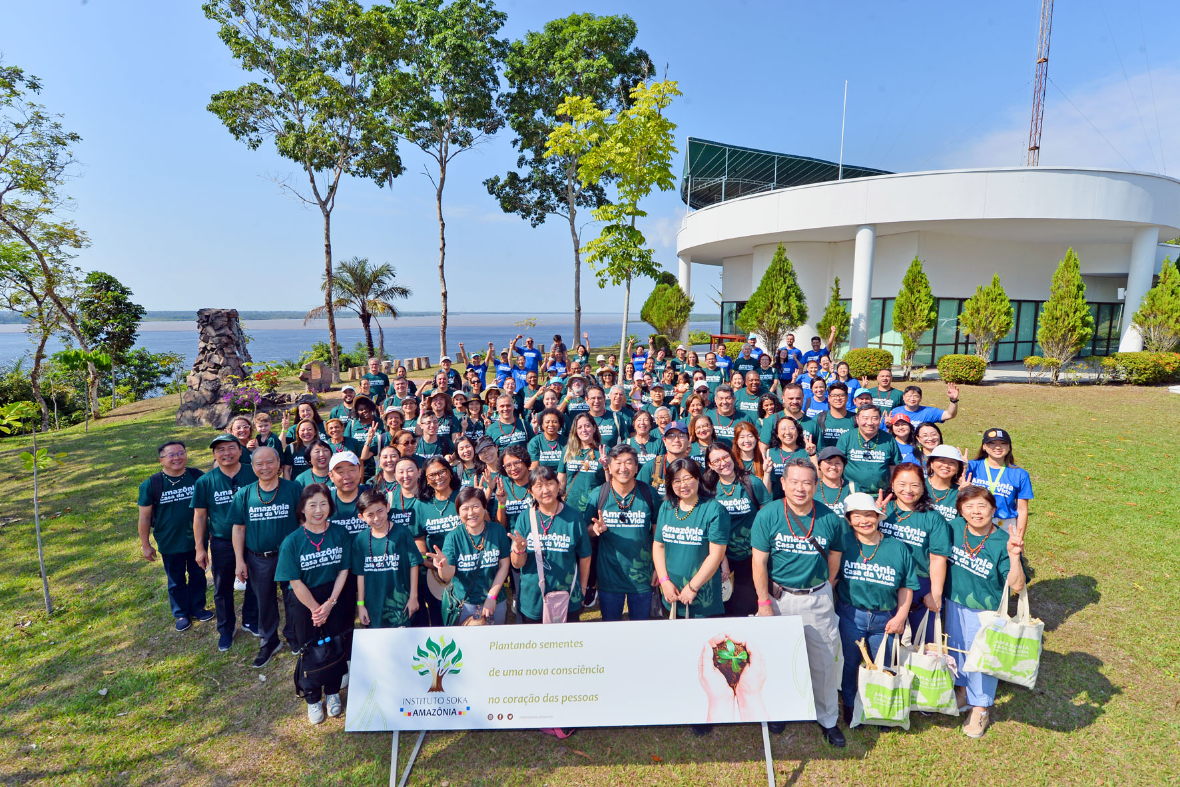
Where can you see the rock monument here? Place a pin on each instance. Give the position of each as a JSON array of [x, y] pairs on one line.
[[221, 352]]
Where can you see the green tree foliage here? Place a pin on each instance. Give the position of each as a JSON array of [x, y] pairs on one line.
[[578, 55], [835, 316], [1158, 316], [107, 316], [987, 317], [914, 312], [366, 290], [312, 95], [636, 147], [1066, 323], [778, 306], [667, 310]]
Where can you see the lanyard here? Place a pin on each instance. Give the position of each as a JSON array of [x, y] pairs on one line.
[[992, 483]]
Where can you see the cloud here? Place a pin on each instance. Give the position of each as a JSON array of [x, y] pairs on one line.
[[1117, 139]]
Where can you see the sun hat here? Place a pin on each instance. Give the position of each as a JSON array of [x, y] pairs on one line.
[[945, 451], [862, 501], [681, 347], [600, 359], [341, 458]]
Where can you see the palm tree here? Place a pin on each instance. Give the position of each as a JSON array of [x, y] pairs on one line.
[[364, 289]]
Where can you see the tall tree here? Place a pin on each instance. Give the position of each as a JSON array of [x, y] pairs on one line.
[[107, 316], [835, 316], [914, 312], [987, 317], [1065, 323], [442, 90], [1158, 318], [365, 290], [667, 310], [778, 306], [579, 55], [313, 98], [636, 147]]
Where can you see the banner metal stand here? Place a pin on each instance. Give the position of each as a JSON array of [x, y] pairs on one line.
[[393, 780], [766, 749]]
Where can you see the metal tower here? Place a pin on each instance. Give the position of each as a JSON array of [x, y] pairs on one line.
[[1038, 107]]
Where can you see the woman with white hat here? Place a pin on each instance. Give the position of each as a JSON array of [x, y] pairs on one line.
[[874, 588], [944, 477]]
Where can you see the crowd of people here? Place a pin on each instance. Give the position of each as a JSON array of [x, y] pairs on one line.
[[537, 488]]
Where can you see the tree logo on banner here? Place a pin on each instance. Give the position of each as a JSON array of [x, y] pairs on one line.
[[438, 660]]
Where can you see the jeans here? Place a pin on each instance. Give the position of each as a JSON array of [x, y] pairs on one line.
[[857, 624], [186, 584], [262, 574], [638, 605], [222, 563], [475, 610], [962, 624]]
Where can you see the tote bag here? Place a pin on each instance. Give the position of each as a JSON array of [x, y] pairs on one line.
[[933, 689], [1005, 647], [883, 694]]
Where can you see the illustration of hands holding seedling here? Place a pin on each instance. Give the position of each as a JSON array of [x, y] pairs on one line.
[[732, 674]]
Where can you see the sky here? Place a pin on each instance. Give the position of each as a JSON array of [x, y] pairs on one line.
[[188, 217]]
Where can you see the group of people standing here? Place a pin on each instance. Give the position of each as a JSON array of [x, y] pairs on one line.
[[461, 503]]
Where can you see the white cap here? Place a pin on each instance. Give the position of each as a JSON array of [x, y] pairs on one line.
[[347, 388], [945, 451], [350, 458], [600, 358], [681, 347], [700, 385], [444, 358], [862, 501]]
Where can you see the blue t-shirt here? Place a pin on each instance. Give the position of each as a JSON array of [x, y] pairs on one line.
[[1008, 485], [814, 407], [519, 374], [726, 363], [756, 352], [923, 415], [557, 369], [787, 370], [532, 358], [481, 370], [638, 360], [907, 454], [503, 369], [814, 355], [804, 381]]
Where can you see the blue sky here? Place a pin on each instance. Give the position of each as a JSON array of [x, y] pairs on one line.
[[187, 217]]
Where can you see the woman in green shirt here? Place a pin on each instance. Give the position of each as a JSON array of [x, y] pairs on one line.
[[401, 500], [944, 478], [581, 467], [304, 411], [788, 441], [646, 442], [338, 440], [745, 448], [911, 519], [702, 435], [547, 447], [874, 589], [385, 480], [319, 454], [691, 535], [742, 494], [385, 561], [474, 560], [467, 465], [830, 488], [411, 412], [435, 515], [315, 559], [295, 451]]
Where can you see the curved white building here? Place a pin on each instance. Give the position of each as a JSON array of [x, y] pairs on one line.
[[964, 224]]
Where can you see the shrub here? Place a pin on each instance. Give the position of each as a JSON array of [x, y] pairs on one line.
[[1143, 368], [1038, 366], [1158, 317], [698, 337], [661, 342], [1065, 324], [967, 369], [733, 350], [778, 306], [867, 361]]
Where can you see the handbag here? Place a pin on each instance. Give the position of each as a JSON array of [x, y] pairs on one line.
[[687, 607], [555, 606], [1005, 647], [933, 689], [319, 662], [883, 692]]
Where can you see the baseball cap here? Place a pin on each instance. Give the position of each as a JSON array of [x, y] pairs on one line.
[[997, 436], [863, 392], [341, 458], [895, 417], [831, 452], [483, 444], [945, 451], [676, 426], [444, 358], [861, 501], [600, 359], [344, 388], [753, 336], [681, 347], [701, 385], [222, 438]]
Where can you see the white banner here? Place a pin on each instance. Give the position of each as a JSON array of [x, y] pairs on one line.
[[580, 675]]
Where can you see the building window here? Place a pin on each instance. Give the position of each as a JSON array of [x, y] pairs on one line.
[[729, 314]]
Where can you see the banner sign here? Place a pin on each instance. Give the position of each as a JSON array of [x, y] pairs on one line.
[[580, 675]]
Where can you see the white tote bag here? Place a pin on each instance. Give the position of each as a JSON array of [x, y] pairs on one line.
[[883, 692], [1005, 647], [933, 689]]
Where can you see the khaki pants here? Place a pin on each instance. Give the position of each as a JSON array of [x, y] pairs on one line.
[[821, 630]]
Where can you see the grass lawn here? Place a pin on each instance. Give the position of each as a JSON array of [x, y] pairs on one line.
[[1104, 539]]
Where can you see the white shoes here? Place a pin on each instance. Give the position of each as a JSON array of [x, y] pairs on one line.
[[239, 584], [344, 680], [335, 708], [315, 710]]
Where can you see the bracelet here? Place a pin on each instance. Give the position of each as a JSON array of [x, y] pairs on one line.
[[333, 601], [360, 603], [953, 401], [690, 587], [492, 595], [765, 603], [516, 551], [664, 579]]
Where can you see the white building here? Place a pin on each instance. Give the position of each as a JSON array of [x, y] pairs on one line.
[[964, 224]]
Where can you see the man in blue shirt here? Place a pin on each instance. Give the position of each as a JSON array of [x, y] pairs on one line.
[[755, 350], [912, 396], [476, 363], [503, 366], [816, 352], [793, 352], [532, 356]]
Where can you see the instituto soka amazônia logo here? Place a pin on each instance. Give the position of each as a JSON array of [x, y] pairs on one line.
[[438, 660]]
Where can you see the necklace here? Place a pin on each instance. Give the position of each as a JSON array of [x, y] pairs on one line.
[[864, 444], [315, 544], [897, 512], [791, 527], [824, 497], [183, 476], [869, 559], [387, 540], [688, 513], [974, 552], [936, 498], [434, 503], [483, 539], [272, 497], [545, 525], [727, 492], [626, 501]]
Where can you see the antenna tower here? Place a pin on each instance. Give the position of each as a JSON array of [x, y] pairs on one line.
[[1038, 107]]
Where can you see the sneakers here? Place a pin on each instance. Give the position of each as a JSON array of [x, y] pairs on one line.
[[315, 712], [591, 600], [776, 727], [264, 655], [239, 585], [204, 615], [977, 721], [291, 647], [833, 735], [225, 642], [701, 730], [961, 698], [335, 707], [251, 630], [183, 623]]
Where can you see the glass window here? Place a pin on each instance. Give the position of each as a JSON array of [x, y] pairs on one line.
[[875, 322], [948, 321], [729, 314], [888, 335], [1026, 317]]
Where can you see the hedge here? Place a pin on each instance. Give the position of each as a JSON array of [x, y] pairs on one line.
[[1143, 368], [967, 369], [733, 350], [867, 361]]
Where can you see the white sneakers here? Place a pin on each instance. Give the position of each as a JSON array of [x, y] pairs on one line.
[[239, 585], [335, 708], [315, 710]]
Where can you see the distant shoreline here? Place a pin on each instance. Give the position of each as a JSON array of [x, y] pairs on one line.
[[10, 322]]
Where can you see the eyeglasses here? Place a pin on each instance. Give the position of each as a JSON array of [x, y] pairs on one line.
[[439, 476], [174, 454]]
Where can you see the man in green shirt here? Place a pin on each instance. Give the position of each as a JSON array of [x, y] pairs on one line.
[[263, 514], [378, 382], [714, 374], [613, 427], [831, 424], [343, 411], [212, 521], [885, 396], [745, 362], [724, 415], [746, 399], [165, 513], [871, 453], [792, 406], [795, 557]]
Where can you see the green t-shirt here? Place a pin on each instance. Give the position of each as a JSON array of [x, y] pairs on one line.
[[613, 428], [434, 518], [214, 492], [743, 364], [647, 451], [868, 460], [267, 516], [172, 516], [314, 559], [624, 550], [767, 377], [341, 411], [309, 477], [386, 563], [546, 452], [777, 459], [378, 386], [741, 513], [347, 443], [440, 447], [766, 429], [562, 544], [346, 515], [833, 428], [649, 475], [794, 563], [686, 546], [714, 378], [747, 403], [976, 581], [925, 532], [293, 456], [503, 435], [475, 568], [944, 501], [402, 510], [448, 428], [832, 498], [723, 425], [870, 576], [519, 497], [582, 473], [359, 433], [886, 400]]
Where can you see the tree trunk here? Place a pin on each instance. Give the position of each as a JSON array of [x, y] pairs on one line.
[[571, 201], [37, 527], [436, 685], [328, 295], [442, 258], [366, 318], [35, 380], [92, 389], [623, 341]]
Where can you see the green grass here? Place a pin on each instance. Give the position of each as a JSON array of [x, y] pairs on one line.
[[1103, 539]]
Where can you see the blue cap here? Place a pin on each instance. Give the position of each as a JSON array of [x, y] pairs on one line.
[[676, 426]]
